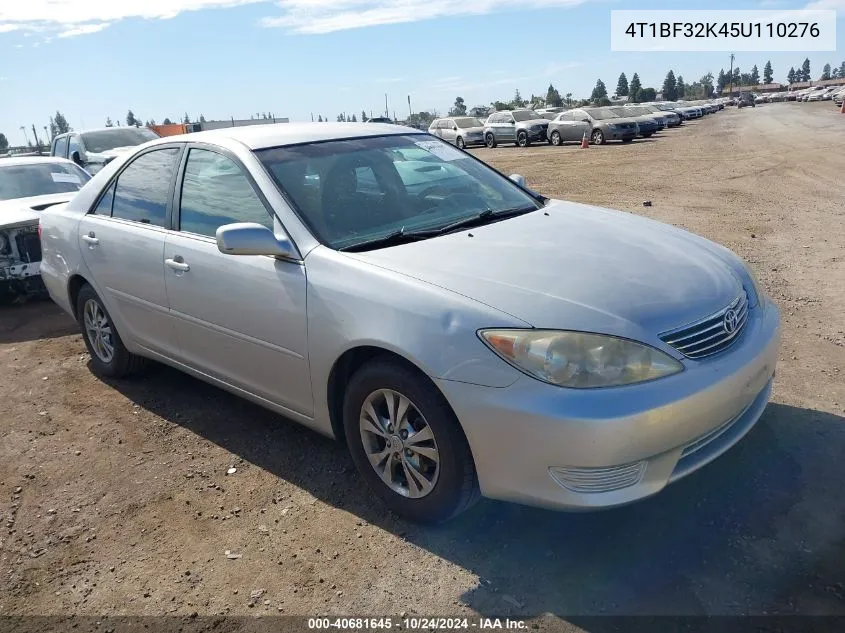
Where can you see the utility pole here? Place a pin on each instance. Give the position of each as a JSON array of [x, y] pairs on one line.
[[386, 111], [732, 76], [312, 117], [37, 142], [23, 129], [410, 111]]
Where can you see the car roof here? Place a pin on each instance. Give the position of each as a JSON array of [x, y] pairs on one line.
[[32, 160], [281, 134]]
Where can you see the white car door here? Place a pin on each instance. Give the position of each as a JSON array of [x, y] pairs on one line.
[[122, 244], [240, 319]]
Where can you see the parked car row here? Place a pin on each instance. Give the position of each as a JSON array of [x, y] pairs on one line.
[[557, 126], [813, 93]]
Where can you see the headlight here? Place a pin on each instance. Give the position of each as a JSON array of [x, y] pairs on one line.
[[579, 360]]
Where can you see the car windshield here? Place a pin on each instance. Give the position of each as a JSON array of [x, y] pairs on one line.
[[601, 114], [357, 190], [104, 140], [40, 179], [525, 115], [465, 122]]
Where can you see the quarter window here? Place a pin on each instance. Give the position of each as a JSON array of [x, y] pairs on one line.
[[104, 206], [74, 145], [143, 188], [61, 147], [215, 192]]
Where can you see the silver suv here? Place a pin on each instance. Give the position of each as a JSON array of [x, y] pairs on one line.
[[459, 130], [521, 127]]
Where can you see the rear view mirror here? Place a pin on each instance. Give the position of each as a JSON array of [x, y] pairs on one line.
[[250, 238]]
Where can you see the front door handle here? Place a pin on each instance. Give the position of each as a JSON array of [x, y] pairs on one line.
[[90, 238], [177, 263]]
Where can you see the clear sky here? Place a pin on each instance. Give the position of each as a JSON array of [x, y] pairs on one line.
[[93, 59]]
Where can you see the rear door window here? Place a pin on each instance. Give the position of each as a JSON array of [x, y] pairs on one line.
[[143, 188]]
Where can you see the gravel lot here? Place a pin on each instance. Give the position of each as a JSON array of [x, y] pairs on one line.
[[114, 498]]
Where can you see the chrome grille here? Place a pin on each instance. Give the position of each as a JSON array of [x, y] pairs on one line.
[[711, 334]]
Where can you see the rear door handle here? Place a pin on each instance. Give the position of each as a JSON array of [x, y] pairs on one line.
[[90, 239], [177, 263]]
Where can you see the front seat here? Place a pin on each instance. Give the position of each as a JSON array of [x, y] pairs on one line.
[[345, 209]]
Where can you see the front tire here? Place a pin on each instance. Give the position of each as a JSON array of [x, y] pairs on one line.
[[490, 140], [407, 443], [109, 356], [597, 137], [555, 139], [460, 143], [522, 139]]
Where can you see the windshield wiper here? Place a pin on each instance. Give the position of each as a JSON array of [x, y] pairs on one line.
[[482, 218], [402, 236], [397, 237]]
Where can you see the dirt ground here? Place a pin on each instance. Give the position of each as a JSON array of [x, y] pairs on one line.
[[115, 498]]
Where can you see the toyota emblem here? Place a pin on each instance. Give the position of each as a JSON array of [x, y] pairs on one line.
[[731, 321]]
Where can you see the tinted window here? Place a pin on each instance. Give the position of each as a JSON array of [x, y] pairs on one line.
[[105, 204], [144, 188], [39, 179], [215, 192], [104, 140], [61, 147]]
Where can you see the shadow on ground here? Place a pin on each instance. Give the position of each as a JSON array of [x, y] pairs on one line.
[[34, 319], [761, 529]]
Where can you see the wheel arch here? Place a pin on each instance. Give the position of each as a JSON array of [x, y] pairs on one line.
[[74, 285], [347, 364]]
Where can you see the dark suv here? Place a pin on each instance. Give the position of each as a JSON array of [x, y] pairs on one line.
[[746, 99]]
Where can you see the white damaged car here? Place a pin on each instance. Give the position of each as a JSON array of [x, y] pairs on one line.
[[28, 185]]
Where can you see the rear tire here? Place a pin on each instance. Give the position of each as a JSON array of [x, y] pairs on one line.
[[490, 140], [450, 485], [109, 356]]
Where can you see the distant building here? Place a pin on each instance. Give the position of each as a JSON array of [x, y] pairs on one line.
[[216, 125]]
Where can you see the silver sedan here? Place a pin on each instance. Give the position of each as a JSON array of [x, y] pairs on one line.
[[463, 334]]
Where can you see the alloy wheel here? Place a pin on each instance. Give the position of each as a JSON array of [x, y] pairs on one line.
[[399, 443], [99, 331]]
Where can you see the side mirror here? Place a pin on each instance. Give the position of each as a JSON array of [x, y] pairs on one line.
[[518, 179], [76, 158], [250, 238], [455, 128], [585, 120]]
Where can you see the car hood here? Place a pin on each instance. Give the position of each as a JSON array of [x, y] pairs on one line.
[[620, 119], [22, 211], [574, 266], [109, 153]]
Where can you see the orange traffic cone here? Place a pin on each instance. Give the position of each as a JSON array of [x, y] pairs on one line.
[[842, 107], [585, 141]]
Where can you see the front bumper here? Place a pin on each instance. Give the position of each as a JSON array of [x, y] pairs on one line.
[[543, 445]]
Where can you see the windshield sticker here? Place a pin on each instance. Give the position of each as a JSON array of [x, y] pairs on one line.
[[71, 178], [441, 150]]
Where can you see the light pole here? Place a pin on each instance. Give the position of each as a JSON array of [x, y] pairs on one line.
[[732, 75], [25, 135]]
